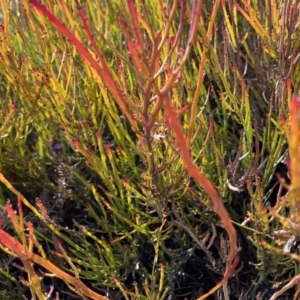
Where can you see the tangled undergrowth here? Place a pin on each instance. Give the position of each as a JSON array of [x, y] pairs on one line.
[[149, 149]]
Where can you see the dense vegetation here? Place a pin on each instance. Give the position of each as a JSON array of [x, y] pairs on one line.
[[149, 149]]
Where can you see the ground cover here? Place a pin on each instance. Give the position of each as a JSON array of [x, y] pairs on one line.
[[149, 149]]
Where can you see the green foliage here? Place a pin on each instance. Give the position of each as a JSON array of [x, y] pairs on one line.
[[112, 95]]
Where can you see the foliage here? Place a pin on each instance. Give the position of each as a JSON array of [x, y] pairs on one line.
[[129, 128]]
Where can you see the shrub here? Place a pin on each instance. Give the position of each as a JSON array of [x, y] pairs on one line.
[[139, 143]]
